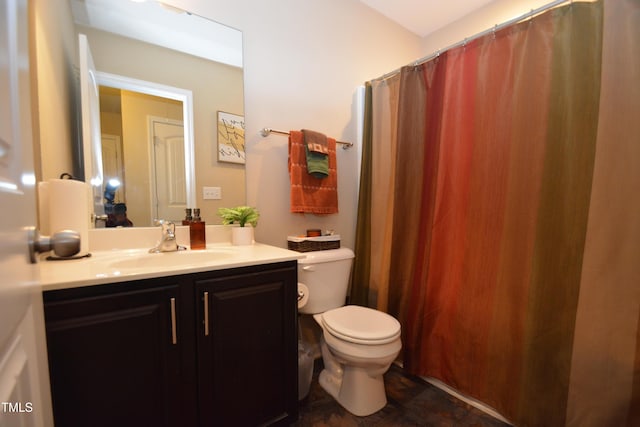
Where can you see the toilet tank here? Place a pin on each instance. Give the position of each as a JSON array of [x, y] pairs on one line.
[[326, 274]]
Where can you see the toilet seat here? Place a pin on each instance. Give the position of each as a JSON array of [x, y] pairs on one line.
[[361, 325]]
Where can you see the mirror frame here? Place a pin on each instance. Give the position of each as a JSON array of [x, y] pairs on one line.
[[183, 95]]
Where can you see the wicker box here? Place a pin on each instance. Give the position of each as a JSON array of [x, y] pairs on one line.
[[308, 244]]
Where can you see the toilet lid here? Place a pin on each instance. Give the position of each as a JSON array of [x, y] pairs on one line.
[[361, 325]]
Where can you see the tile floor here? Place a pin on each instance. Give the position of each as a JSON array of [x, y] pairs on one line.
[[411, 402]]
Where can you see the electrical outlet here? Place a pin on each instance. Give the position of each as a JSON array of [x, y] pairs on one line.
[[211, 193]]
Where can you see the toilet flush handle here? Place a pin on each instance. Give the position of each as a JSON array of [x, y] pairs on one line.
[[309, 268]]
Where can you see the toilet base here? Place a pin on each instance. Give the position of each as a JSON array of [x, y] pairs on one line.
[[353, 372], [356, 390]]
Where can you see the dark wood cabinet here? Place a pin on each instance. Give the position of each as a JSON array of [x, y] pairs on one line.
[[244, 348], [209, 349]]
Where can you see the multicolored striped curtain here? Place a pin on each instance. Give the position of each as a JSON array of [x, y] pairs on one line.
[[500, 216]]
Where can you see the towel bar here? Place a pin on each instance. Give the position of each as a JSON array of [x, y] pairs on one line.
[[267, 131]]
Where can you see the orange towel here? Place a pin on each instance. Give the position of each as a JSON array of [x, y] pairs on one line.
[[309, 194]]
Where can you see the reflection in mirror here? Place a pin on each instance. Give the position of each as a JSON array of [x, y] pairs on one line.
[[147, 139], [215, 85]]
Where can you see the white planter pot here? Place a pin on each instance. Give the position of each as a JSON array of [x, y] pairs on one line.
[[241, 236]]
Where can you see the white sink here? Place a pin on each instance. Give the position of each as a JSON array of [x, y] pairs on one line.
[[186, 258], [119, 265]]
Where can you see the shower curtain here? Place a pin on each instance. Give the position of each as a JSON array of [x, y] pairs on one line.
[[499, 215]]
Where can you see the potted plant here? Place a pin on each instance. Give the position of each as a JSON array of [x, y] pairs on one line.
[[243, 216]]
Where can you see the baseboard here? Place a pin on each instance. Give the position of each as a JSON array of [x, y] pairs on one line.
[[469, 400]]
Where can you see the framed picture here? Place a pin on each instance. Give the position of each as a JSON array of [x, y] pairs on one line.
[[230, 138]]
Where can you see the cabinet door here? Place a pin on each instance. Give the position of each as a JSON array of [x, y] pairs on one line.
[[247, 357], [115, 358]]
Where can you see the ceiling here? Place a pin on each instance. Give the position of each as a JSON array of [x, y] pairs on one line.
[[423, 17], [156, 23]]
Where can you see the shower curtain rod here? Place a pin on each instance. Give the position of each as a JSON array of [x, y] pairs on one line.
[[267, 131], [466, 40]]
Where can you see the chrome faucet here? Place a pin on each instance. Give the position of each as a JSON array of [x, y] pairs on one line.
[[168, 242]]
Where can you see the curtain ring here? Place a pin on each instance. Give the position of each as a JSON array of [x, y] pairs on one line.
[[495, 28]]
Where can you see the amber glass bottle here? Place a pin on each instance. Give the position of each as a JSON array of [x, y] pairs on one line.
[[197, 231], [187, 218]]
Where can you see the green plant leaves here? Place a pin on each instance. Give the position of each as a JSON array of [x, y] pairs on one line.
[[241, 215]]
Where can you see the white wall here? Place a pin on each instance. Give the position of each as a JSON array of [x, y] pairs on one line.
[[54, 120], [303, 62]]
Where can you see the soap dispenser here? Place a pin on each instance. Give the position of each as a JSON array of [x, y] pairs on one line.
[[187, 218], [197, 232]]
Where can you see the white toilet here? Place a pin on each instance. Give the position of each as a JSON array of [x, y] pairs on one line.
[[358, 344]]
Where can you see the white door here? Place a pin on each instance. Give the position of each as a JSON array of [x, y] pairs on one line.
[[167, 167], [24, 388]]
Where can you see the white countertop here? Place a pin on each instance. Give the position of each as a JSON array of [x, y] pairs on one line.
[[134, 264]]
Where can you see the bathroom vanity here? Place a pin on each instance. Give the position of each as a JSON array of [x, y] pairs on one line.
[[135, 340]]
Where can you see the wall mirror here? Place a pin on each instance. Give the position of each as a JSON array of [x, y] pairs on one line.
[[144, 52]]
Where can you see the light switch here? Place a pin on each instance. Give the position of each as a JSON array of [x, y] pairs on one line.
[[211, 193]]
